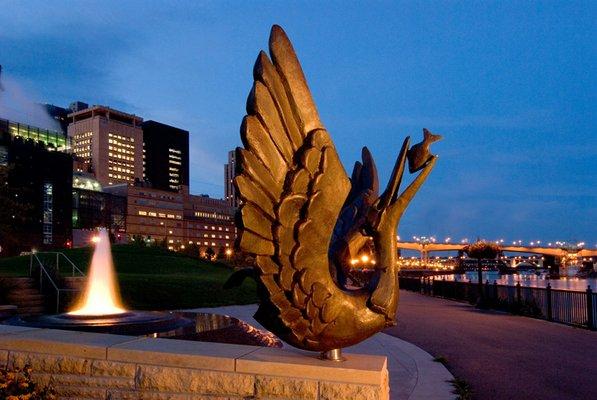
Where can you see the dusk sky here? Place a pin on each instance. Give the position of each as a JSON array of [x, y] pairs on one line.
[[510, 85]]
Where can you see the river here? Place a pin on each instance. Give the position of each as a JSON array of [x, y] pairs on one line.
[[529, 279]]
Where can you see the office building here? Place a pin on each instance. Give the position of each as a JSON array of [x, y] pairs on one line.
[[166, 156], [209, 223], [152, 214], [52, 140], [60, 115], [229, 173], [40, 178], [93, 208], [178, 218], [109, 143]]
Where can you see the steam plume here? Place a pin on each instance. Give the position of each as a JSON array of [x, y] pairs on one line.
[[16, 105]]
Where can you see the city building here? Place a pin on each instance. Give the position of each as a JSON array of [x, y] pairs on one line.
[[229, 173], [152, 214], [178, 218], [93, 208], [39, 178], [112, 170], [109, 142], [209, 223], [52, 140], [165, 156], [60, 115]]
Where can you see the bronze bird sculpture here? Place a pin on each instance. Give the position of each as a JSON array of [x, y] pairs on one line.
[[302, 217]]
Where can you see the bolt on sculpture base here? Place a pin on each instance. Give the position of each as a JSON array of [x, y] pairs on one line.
[[304, 219]]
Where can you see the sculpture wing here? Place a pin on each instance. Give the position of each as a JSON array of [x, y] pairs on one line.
[[288, 173]]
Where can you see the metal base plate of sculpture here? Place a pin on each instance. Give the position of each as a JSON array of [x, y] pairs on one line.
[[304, 219]]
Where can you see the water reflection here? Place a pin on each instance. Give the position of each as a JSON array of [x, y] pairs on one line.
[[528, 278]]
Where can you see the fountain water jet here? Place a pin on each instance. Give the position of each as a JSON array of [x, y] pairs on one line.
[[101, 296]]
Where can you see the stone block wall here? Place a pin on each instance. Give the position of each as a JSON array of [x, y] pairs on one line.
[[98, 366]]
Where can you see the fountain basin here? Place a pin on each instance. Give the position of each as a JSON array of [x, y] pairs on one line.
[[193, 326], [133, 323]]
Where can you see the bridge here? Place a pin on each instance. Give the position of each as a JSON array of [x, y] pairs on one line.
[[560, 253]]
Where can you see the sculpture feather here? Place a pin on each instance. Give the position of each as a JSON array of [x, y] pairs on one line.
[[293, 188]]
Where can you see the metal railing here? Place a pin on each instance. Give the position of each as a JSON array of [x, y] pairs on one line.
[[562, 306], [49, 274], [57, 256]]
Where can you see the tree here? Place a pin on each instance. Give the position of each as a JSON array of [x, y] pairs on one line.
[[210, 253], [481, 250]]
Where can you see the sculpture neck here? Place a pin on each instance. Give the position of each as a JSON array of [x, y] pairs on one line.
[[384, 299]]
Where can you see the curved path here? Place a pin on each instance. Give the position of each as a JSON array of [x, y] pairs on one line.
[[500, 355]]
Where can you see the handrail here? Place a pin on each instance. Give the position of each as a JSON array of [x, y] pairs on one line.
[[73, 264], [58, 254], [42, 271]]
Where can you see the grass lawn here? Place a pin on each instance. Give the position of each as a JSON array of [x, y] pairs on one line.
[[156, 279]]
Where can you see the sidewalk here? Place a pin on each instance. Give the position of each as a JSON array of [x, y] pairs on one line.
[[413, 373], [502, 356]]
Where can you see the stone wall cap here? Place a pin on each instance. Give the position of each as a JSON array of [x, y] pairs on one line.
[[12, 329], [181, 353], [358, 368], [55, 341]]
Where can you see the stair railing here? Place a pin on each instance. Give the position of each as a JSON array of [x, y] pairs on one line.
[[43, 273]]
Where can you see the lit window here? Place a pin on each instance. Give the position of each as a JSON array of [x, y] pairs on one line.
[[142, 212]]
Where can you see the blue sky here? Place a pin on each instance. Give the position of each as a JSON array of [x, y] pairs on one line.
[[510, 85]]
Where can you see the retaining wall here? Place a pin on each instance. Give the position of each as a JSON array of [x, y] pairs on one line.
[[100, 366]]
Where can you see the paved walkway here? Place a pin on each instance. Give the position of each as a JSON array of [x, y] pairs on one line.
[[500, 355], [413, 373]]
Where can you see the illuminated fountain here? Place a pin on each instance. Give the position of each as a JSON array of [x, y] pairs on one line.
[[101, 296], [100, 310]]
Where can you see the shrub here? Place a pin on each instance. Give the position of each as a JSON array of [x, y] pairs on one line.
[[482, 250], [16, 384]]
